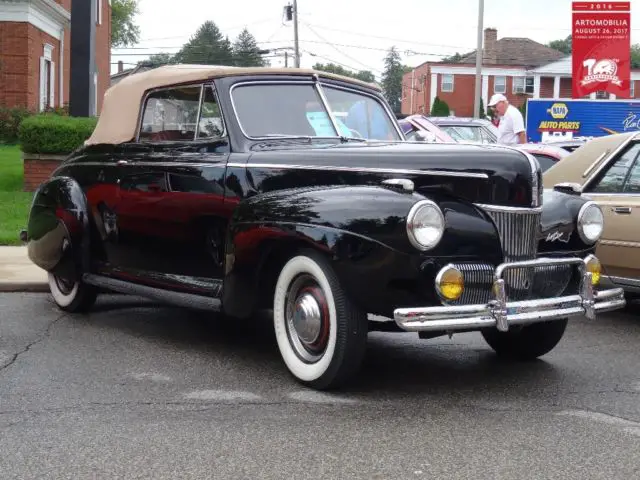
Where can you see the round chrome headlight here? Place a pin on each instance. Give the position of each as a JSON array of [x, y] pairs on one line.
[[590, 222], [425, 225]]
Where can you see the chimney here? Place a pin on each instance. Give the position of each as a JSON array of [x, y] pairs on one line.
[[490, 55], [120, 66]]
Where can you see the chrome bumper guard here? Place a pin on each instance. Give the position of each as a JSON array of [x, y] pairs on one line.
[[501, 314]]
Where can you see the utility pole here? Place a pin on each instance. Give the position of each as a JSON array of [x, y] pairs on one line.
[[478, 92], [286, 59], [295, 33]]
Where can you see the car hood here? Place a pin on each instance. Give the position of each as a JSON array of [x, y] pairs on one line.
[[479, 173]]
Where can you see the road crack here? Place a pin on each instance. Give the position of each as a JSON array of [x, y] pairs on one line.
[[14, 358]]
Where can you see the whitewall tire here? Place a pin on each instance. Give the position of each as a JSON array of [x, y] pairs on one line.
[[71, 296], [320, 334]]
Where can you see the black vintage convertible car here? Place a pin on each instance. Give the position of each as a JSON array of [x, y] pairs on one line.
[[238, 189]]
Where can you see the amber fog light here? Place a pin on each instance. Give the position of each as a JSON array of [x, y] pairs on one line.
[[450, 283], [593, 265]]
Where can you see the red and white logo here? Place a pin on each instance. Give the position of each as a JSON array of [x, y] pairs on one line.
[[601, 71]]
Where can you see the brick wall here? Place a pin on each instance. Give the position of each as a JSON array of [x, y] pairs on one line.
[[14, 64], [37, 170], [546, 87], [461, 99], [21, 46], [421, 91]]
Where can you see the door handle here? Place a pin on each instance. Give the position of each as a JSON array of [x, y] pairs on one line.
[[622, 210], [122, 162]]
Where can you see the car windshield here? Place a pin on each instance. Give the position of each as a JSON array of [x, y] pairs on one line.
[[467, 133], [293, 110]]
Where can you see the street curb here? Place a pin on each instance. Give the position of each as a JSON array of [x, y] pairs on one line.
[[29, 287]]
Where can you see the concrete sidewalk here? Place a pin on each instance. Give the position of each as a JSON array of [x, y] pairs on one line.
[[18, 273]]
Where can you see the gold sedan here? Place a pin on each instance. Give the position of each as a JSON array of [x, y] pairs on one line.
[[607, 171]]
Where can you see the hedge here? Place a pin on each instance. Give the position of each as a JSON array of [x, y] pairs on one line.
[[10, 121], [54, 134]]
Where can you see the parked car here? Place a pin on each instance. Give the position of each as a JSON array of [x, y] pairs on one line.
[[419, 128], [235, 190], [568, 145], [464, 129], [547, 155], [606, 170]]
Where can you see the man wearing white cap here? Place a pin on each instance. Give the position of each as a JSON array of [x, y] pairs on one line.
[[511, 129]]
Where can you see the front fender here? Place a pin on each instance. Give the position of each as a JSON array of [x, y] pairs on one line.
[[559, 224], [363, 231], [58, 228]]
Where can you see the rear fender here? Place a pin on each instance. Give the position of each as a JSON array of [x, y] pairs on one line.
[[58, 230]]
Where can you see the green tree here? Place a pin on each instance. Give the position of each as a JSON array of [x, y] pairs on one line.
[[124, 32], [364, 75], [392, 79], [563, 45], [440, 108], [159, 59], [206, 47], [453, 58], [246, 52]]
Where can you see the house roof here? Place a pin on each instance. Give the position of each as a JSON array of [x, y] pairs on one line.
[[516, 51], [118, 120]]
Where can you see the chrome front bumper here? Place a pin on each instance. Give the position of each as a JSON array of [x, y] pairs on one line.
[[501, 314]]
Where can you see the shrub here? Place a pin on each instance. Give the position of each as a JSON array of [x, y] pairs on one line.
[[10, 121], [55, 134], [440, 108]]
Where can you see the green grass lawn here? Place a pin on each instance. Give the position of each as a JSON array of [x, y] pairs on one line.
[[14, 203]]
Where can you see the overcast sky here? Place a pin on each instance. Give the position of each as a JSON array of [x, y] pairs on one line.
[[354, 33]]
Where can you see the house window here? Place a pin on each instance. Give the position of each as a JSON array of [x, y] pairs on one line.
[[98, 12], [602, 95], [523, 85], [447, 83], [500, 84], [47, 78]]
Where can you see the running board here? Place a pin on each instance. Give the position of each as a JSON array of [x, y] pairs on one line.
[[187, 300]]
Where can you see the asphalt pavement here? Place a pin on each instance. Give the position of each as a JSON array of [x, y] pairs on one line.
[[137, 390]]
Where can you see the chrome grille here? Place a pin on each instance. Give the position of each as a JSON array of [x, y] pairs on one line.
[[519, 232], [546, 282]]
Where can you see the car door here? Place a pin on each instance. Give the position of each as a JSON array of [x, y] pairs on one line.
[[170, 210], [617, 190]]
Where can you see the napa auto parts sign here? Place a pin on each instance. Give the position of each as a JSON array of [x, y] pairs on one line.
[[549, 119], [601, 48]]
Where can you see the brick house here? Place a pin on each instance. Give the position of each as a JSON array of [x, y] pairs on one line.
[[519, 68], [35, 52]]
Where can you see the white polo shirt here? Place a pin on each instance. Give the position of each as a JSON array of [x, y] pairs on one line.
[[511, 124]]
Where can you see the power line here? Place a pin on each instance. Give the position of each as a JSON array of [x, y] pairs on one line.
[[337, 50]]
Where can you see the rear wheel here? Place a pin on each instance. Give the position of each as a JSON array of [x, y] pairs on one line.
[[72, 296], [321, 335], [526, 342]]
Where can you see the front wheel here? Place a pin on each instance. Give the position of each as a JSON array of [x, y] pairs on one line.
[[527, 342], [72, 296], [321, 335]]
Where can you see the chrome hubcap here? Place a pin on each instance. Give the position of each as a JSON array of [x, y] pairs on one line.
[[307, 319], [65, 286]]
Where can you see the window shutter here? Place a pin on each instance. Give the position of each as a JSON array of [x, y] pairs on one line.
[[43, 83], [52, 85]]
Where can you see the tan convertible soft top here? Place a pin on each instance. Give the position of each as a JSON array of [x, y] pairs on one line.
[[118, 120]]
